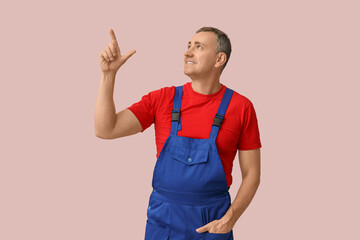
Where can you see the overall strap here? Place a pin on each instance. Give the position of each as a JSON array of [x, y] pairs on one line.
[[175, 115], [219, 117]]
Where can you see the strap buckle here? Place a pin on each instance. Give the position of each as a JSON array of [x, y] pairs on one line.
[[218, 120], [175, 115]]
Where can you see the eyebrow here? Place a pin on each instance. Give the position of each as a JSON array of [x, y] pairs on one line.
[[197, 43]]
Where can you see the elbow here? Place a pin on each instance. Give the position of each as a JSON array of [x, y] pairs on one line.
[[101, 132], [101, 135]]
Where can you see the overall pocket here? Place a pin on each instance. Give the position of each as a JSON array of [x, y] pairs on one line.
[[155, 232], [191, 157], [219, 236], [206, 218], [186, 170]]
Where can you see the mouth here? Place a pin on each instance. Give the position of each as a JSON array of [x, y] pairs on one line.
[[190, 62]]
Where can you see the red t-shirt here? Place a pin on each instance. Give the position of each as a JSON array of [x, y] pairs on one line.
[[239, 129]]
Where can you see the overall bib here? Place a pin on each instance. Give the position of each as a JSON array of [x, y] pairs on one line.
[[189, 183]]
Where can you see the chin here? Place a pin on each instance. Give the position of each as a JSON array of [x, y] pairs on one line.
[[187, 74]]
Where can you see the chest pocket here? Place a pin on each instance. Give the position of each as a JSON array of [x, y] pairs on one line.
[[190, 156]]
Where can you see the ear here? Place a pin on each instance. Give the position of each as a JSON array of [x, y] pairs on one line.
[[220, 59]]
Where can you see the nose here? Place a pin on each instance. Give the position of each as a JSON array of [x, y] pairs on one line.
[[188, 52]]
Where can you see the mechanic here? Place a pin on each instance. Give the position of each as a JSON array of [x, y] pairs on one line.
[[199, 127]]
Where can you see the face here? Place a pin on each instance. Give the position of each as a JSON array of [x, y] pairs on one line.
[[200, 56]]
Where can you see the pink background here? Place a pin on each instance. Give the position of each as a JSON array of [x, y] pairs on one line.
[[297, 61]]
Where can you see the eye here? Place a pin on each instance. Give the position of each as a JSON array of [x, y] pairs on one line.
[[196, 46]]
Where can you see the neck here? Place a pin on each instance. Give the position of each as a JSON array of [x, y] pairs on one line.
[[205, 87], [206, 83]]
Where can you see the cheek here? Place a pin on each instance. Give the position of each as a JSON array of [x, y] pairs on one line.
[[206, 63], [208, 60]]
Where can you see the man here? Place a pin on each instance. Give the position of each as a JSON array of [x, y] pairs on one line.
[[198, 126]]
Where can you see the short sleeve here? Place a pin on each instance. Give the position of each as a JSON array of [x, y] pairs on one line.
[[250, 136], [144, 110]]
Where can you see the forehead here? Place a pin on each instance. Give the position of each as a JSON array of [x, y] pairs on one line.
[[207, 38]]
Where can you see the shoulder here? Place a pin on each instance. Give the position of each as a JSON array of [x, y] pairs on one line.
[[241, 106], [159, 93], [238, 100], [161, 96]]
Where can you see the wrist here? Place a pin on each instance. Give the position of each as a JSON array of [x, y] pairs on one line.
[[109, 74], [229, 218]]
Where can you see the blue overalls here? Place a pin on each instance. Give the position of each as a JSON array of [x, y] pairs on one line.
[[189, 183]]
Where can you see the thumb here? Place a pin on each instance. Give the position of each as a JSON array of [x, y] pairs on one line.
[[129, 54], [203, 228]]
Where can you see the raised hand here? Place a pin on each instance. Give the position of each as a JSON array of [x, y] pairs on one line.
[[110, 58]]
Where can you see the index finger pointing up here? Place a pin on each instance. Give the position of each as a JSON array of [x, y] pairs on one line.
[[112, 34]]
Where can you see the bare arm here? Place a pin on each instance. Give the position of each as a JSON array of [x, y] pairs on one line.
[[108, 123], [250, 169]]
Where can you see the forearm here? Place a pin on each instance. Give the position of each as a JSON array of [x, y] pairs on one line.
[[245, 194], [105, 114]]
